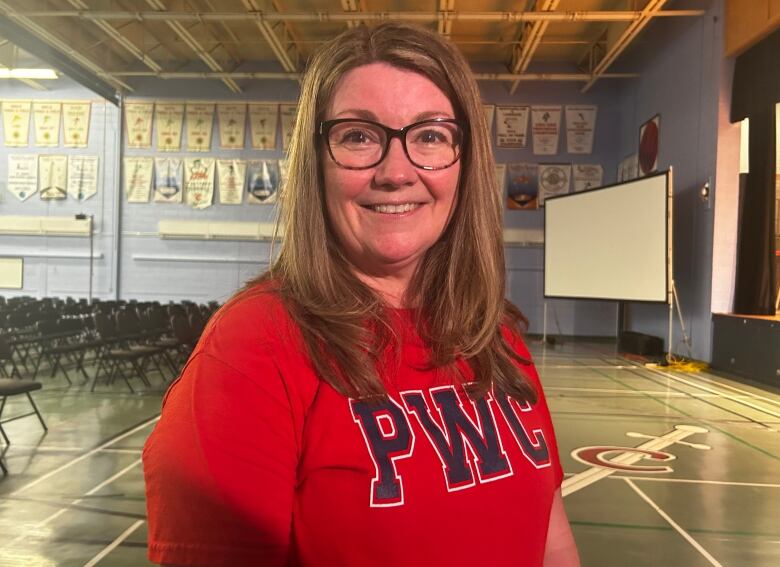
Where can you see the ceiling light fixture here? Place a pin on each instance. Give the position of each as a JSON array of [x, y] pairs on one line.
[[28, 74]]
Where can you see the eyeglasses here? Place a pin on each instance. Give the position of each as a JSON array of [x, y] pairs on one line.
[[362, 144]]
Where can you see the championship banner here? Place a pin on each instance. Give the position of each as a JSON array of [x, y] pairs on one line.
[[75, 123], [553, 180], [200, 117], [490, 111], [511, 126], [288, 113], [22, 175], [262, 125], [168, 118], [522, 191], [53, 177], [263, 181], [545, 127], [580, 125], [168, 180], [500, 172], [231, 118], [231, 174], [46, 116], [587, 176], [199, 181], [16, 122], [82, 177], [138, 178], [138, 124]]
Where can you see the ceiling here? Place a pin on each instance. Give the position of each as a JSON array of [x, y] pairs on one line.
[[111, 43]]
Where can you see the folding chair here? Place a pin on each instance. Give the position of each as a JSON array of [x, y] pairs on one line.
[[11, 387]]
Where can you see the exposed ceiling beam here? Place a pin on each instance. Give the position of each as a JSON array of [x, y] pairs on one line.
[[39, 42], [652, 9], [353, 6], [114, 34], [9, 59], [446, 7], [530, 37], [570, 77], [505, 17], [289, 61], [193, 44]]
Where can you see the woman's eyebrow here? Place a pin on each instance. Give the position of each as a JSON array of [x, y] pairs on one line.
[[368, 115], [358, 113]]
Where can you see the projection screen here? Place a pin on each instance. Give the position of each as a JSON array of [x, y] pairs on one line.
[[610, 243]]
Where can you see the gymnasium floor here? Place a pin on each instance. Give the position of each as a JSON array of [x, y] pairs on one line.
[[75, 496]]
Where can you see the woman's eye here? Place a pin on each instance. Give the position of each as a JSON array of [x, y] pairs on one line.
[[357, 137], [431, 137]]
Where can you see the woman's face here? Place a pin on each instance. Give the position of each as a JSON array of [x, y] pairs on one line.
[[388, 216]]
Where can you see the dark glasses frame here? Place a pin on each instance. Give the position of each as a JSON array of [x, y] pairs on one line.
[[400, 133]]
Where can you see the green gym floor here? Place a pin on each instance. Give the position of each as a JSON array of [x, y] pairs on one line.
[[689, 473]]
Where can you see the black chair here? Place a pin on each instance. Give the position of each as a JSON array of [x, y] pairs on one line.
[[116, 358], [10, 387]]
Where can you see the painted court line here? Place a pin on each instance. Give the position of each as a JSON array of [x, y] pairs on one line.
[[61, 511], [675, 525], [111, 546], [697, 481], [714, 391], [72, 462], [630, 392]]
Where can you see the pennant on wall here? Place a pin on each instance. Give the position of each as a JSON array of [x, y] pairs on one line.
[[262, 124], [138, 178], [23, 175], [138, 124], [263, 181], [168, 180], [553, 180], [288, 113], [168, 118], [523, 186], [82, 177], [587, 176], [500, 172], [16, 122], [511, 126], [53, 177], [200, 117], [199, 182], [545, 127], [489, 110], [46, 116], [232, 178], [232, 125], [75, 123], [580, 126]]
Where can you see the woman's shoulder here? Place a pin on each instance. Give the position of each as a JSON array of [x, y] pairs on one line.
[[253, 319]]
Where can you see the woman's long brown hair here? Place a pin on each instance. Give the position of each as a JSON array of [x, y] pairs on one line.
[[458, 289]]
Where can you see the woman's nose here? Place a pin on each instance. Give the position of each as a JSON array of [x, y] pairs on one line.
[[395, 170]]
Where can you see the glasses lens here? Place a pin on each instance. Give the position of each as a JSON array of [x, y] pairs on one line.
[[434, 144], [356, 144]]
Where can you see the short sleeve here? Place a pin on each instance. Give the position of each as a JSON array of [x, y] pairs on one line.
[[541, 405], [220, 467]]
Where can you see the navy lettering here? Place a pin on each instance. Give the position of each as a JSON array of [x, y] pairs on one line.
[[534, 448], [388, 438], [450, 443]]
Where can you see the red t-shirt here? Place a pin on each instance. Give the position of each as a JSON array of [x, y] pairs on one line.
[[256, 461]]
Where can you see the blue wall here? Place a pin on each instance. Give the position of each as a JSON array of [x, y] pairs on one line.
[[681, 65]]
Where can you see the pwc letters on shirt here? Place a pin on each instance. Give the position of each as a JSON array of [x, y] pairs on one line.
[[470, 453]]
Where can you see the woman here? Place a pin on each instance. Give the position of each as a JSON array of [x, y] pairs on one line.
[[368, 401]]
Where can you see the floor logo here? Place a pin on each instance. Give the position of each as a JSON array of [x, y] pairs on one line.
[[606, 460]]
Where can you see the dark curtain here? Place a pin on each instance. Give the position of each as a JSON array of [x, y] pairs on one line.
[[755, 91], [754, 292]]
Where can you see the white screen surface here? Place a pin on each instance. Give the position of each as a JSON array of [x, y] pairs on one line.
[[608, 243]]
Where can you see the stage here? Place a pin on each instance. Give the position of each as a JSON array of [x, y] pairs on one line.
[[747, 346]]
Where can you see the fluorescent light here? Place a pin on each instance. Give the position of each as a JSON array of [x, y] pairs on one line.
[[28, 74]]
